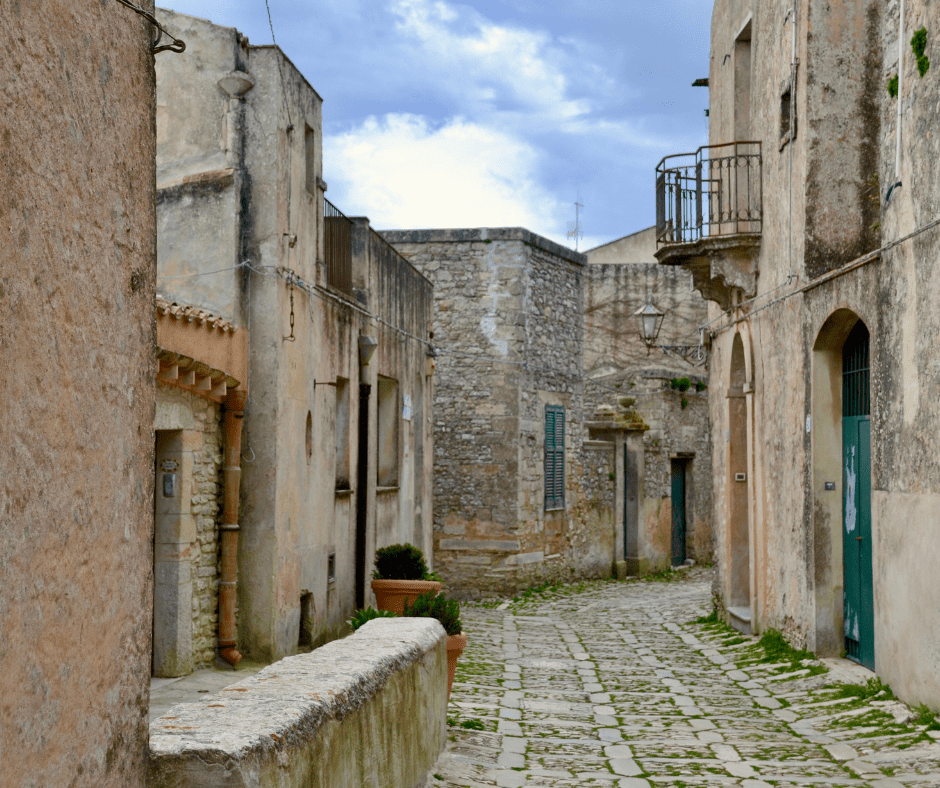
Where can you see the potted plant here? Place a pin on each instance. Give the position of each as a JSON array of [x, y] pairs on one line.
[[447, 611], [400, 575]]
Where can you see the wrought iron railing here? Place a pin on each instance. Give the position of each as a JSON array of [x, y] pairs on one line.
[[337, 242], [713, 192]]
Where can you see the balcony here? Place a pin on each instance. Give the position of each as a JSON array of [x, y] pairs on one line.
[[337, 243], [709, 217]]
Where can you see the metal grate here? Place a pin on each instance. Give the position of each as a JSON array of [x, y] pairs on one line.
[[853, 649], [337, 244], [715, 191], [856, 398]]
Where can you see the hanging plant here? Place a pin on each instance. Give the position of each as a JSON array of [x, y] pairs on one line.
[[893, 86]]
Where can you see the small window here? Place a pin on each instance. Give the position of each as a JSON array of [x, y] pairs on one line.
[[308, 437], [310, 158], [554, 457], [388, 425], [786, 109], [331, 568], [342, 434]]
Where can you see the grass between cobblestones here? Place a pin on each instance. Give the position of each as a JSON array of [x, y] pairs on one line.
[[633, 685]]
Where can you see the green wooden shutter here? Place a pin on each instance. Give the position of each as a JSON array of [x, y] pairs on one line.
[[554, 457]]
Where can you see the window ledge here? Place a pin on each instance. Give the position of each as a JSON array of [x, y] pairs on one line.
[[342, 492], [387, 489]]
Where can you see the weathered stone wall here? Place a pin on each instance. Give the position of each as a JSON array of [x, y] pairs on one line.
[[77, 324], [239, 187], [178, 409], [786, 359], [628, 379], [378, 722], [509, 309]]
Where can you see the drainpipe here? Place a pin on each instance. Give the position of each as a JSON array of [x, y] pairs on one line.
[[897, 154], [231, 470]]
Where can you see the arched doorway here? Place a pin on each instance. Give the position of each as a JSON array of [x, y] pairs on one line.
[[858, 616], [739, 543]]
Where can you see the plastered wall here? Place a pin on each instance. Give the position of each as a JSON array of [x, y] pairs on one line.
[[77, 256]]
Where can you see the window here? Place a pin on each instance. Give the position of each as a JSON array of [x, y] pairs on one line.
[[310, 156], [787, 108], [342, 434], [554, 457], [388, 413]]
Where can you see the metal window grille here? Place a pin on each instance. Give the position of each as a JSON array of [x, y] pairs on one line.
[[554, 457], [856, 397], [337, 244], [713, 192]]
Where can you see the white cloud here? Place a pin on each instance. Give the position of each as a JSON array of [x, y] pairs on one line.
[[405, 173], [485, 64]]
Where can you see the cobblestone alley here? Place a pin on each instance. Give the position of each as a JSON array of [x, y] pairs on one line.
[[616, 684]]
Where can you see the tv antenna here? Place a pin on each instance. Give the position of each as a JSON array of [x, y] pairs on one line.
[[575, 229]]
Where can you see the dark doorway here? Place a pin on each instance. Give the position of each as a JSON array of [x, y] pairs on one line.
[[859, 613], [362, 493], [678, 511]]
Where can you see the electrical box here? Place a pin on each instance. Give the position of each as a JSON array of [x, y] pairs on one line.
[[740, 477], [169, 485]]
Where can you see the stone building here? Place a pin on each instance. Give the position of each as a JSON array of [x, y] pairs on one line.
[[664, 507], [521, 494], [809, 223], [335, 454], [76, 326]]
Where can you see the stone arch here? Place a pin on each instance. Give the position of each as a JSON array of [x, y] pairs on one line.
[[825, 428]]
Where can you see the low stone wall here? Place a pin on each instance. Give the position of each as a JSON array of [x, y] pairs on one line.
[[368, 710]]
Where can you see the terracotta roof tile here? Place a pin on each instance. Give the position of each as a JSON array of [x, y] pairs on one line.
[[192, 314]]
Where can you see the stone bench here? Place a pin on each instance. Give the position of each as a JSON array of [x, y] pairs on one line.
[[368, 710]]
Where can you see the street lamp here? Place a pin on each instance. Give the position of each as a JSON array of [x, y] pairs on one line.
[[650, 321]]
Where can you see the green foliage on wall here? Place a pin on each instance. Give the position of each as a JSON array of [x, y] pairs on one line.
[[893, 86], [919, 45]]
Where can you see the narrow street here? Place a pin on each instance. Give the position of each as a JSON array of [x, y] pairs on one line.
[[615, 684]]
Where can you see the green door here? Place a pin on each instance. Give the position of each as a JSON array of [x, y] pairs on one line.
[[678, 512], [859, 609]]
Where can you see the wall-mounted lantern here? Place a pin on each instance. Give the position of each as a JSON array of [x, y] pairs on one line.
[[367, 347], [650, 319]]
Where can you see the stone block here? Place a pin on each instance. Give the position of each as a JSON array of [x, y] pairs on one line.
[[380, 721]]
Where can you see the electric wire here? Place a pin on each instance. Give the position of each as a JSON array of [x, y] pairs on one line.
[[177, 46], [858, 262]]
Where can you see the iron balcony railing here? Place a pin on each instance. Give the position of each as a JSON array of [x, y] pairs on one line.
[[337, 243], [713, 192]]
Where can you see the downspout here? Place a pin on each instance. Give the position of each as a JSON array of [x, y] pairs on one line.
[[897, 154], [793, 67], [232, 472]]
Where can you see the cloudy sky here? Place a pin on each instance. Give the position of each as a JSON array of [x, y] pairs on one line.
[[493, 112]]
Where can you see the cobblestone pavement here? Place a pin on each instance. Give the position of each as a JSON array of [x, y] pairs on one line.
[[615, 685]]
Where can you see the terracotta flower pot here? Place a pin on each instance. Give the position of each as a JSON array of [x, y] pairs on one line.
[[392, 594], [455, 646]]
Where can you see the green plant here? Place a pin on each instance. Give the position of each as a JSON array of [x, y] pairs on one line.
[[433, 605], [700, 386], [400, 562], [684, 403], [711, 618], [893, 86], [776, 649], [627, 402], [919, 45], [367, 614], [473, 725], [611, 476]]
